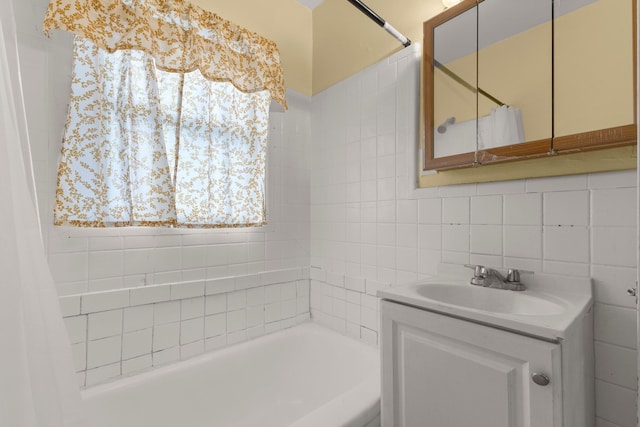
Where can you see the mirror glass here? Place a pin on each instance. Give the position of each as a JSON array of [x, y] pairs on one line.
[[514, 74], [520, 79], [594, 65], [454, 85], [513, 79], [492, 82]]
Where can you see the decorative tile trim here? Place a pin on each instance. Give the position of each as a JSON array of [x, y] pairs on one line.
[[93, 302]]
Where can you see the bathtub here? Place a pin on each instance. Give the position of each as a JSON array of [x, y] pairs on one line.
[[300, 377]]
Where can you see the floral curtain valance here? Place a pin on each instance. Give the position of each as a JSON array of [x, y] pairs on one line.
[[180, 36]]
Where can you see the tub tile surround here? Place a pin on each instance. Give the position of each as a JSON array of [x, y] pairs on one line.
[[123, 335], [382, 236]]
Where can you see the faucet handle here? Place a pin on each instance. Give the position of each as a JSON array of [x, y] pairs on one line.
[[478, 270], [513, 275]]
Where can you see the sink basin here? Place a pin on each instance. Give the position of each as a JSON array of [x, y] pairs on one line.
[[491, 300], [547, 309]]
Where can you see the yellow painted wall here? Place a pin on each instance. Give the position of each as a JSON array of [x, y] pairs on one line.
[[345, 41], [287, 22], [518, 72], [322, 47], [611, 159], [597, 41]]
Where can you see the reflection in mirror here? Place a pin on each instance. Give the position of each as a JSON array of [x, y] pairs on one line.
[[594, 70], [514, 65], [514, 79], [454, 85], [492, 82]]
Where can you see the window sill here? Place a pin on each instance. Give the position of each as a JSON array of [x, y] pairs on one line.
[[153, 231]]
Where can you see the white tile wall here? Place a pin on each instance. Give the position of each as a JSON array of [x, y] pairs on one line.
[[523, 209], [583, 225], [570, 208]]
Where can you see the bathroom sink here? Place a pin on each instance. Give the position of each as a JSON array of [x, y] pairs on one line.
[[491, 300], [547, 308]]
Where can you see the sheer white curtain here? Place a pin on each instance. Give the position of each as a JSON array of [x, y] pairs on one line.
[[168, 116], [38, 386], [147, 147]]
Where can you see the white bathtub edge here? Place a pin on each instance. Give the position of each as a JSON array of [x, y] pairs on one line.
[[357, 407], [339, 411]]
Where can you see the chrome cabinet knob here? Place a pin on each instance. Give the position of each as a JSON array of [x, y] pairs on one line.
[[540, 379]]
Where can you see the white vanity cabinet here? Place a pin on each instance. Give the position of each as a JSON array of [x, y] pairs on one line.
[[443, 371]]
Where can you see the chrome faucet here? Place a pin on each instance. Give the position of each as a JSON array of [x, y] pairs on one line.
[[491, 278]]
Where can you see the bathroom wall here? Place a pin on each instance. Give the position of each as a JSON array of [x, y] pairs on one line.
[[370, 229], [137, 298]]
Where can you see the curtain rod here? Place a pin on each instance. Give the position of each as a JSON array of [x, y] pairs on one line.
[[465, 84], [378, 20]]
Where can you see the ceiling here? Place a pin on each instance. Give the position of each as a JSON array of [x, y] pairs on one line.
[[311, 4]]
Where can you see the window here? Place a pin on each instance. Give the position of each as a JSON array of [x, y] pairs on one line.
[[168, 132]]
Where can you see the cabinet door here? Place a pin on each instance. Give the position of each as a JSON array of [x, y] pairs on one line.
[[439, 371]]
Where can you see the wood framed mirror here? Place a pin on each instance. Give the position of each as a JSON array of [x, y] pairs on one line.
[[515, 79]]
